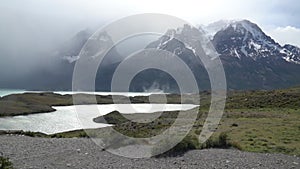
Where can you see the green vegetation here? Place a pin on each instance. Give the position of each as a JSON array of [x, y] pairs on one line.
[[218, 142], [139, 130], [263, 121], [5, 163], [23, 133], [264, 130], [256, 121], [112, 118]]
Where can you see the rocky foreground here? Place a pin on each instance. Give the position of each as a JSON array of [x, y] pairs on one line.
[[27, 152]]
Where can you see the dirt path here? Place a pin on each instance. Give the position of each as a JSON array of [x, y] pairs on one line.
[[27, 152]]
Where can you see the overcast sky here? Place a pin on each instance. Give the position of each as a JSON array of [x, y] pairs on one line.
[[29, 28], [56, 16]]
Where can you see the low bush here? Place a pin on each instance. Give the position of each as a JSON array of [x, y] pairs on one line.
[[5, 163], [190, 142], [220, 142]]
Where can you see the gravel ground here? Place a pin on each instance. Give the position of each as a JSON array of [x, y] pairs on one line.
[[27, 152]]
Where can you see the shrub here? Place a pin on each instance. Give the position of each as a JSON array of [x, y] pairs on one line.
[[220, 142], [236, 145], [223, 140], [190, 142], [5, 163], [83, 134], [28, 133], [234, 125]]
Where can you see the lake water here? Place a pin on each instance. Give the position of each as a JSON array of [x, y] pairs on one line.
[[68, 118]]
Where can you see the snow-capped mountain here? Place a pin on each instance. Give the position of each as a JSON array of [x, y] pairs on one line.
[[173, 41], [251, 59], [243, 39]]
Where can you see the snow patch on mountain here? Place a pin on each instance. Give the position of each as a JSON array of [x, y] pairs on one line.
[[191, 48], [292, 53], [255, 45]]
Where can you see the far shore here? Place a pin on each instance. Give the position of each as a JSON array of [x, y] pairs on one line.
[[32, 103]]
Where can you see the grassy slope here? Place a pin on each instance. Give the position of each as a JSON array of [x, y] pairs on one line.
[[263, 130], [264, 121], [257, 121]]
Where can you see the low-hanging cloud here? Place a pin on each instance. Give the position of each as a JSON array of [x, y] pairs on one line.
[[31, 31]]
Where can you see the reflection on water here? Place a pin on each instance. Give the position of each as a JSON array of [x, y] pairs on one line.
[[65, 118]]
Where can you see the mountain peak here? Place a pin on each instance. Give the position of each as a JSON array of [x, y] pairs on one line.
[[247, 27], [212, 28], [245, 39]]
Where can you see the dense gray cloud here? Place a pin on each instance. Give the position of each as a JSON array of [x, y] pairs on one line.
[[32, 30]]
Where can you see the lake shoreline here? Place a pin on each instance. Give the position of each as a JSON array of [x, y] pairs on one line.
[[254, 121], [32, 103]]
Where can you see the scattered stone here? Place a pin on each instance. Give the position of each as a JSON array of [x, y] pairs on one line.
[[60, 153]]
